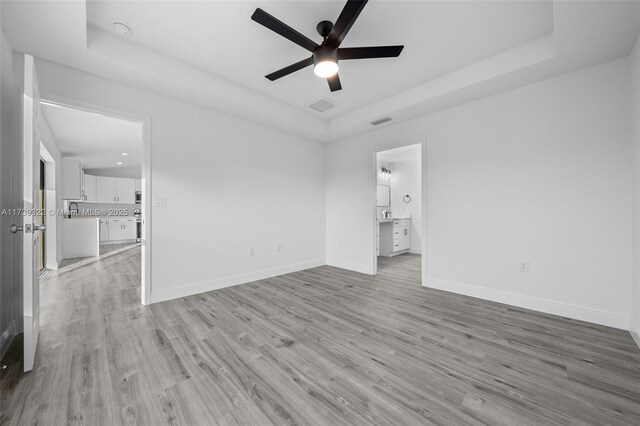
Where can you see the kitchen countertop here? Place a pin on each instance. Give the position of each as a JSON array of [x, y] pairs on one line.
[[391, 219], [100, 217]]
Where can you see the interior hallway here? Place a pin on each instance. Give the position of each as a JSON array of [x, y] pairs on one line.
[[322, 346]]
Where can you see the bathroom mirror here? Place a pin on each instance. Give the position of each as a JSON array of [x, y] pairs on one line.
[[383, 196]]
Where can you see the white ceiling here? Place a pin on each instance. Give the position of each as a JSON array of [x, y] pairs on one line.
[[404, 153], [97, 140], [220, 37], [211, 53]]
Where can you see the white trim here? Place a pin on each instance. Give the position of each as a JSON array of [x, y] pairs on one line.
[[114, 242], [356, 267], [566, 310], [416, 140], [415, 250], [635, 336], [204, 286], [145, 285]]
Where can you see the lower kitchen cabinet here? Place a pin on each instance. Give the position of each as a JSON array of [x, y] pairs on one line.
[[121, 229]]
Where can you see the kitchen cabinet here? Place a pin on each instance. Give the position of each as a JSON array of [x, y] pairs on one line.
[[126, 190], [129, 231], [71, 179], [106, 189], [90, 192], [395, 237], [122, 229], [112, 190], [80, 237]]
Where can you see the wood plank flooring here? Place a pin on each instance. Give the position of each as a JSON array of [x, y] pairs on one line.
[[105, 249], [319, 347]]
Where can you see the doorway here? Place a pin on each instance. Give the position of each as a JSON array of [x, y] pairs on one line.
[[400, 210], [104, 175]]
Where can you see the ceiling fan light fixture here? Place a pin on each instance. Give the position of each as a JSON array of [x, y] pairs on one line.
[[326, 68], [326, 54], [325, 60]]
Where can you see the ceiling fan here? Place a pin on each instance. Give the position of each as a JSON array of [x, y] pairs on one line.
[[325, 56]]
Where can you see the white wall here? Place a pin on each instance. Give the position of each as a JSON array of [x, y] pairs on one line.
[[635, 111], [10, 198], [541, 173], [405, 180], [229, 184]]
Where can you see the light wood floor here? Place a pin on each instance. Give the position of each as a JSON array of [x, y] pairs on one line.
[[104, 249], [324, 347]]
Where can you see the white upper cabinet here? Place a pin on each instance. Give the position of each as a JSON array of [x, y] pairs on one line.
[[90, 191], [106, 189], [71, 179], [111, 190], [126, 191]]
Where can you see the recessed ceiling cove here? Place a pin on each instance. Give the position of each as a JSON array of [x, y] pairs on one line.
[[210, 54], [218, 37]]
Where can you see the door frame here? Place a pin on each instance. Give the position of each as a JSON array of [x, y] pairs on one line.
[[51, 201], [145, 286], [27, 116], [420, 140]]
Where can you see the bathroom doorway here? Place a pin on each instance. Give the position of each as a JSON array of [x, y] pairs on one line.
[[400, 208]]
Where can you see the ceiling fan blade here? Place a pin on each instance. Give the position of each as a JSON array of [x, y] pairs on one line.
[[343, 24], [369, 52], [334, 83], [290, 69], [275, 25]]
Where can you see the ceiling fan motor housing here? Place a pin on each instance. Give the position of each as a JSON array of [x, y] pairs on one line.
[[324, 53], [324, 28]]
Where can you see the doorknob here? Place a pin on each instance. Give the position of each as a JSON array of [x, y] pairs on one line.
[[14, 228], [39, 228]]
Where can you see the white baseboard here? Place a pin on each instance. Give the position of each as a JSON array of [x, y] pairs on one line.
[[415, 250], [108, 243], [356, 267], [595, 316], [204, 286]]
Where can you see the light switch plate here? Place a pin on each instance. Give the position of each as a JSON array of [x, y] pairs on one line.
[[160, 201]]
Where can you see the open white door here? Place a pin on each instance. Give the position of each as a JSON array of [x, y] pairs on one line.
[[31, 230]]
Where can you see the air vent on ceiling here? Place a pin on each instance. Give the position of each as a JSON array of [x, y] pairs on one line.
[[322, 104], [380, 121]]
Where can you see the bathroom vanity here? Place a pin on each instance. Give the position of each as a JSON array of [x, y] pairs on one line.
[[394, 236]]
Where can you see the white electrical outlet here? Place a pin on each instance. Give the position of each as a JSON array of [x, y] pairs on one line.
[[252, 251], [279, 247], [524, 266]]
